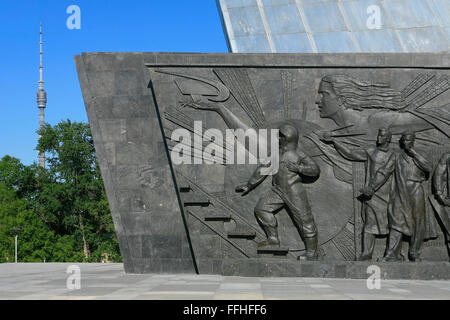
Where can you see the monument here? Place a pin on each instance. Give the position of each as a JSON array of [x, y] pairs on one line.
[[313, 165]]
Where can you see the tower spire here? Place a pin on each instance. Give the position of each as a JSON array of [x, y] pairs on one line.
[[41, 97]]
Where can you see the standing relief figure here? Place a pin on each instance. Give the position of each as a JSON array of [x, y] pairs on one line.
[[441, 190], [407, 212], [374, 210], [287, 192]]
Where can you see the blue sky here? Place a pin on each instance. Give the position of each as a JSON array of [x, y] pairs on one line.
[[106, 25]]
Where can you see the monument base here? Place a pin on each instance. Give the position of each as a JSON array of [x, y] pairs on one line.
[[433, 270]]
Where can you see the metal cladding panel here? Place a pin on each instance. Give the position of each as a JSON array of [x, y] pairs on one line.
[[336, 25]]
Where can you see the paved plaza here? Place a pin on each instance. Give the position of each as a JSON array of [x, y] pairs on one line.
[[109, 281]]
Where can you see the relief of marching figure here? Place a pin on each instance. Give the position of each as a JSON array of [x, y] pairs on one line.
[[287, 191], [441, 189], [407, 207], [374, 210]]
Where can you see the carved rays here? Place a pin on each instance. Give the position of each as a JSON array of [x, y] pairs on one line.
[[238, 81]]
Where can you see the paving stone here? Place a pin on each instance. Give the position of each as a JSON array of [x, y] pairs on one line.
[[47, 281]]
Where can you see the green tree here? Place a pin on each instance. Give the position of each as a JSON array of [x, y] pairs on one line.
[[61, 211], [36, 241], [18, 177], [72, 199]]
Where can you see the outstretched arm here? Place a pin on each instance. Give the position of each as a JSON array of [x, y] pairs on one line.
[[398, 122], [357, 154], [231, 120], [256, 178]]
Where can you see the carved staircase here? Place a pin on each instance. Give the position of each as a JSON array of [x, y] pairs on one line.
[[226, 222]]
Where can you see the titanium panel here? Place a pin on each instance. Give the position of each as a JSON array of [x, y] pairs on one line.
[[336, 25]]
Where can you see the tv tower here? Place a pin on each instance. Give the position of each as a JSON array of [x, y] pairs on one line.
[[41, 99]]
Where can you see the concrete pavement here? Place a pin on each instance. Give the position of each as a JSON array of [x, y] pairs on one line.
[[109, 281]]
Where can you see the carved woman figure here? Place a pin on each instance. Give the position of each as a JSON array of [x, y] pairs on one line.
[[344, 99]]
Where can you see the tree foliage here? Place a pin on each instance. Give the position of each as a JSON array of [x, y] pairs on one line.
[[62, 210]]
